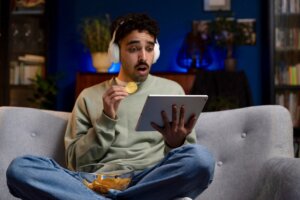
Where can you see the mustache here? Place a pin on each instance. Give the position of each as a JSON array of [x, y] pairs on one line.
[[141, 63]]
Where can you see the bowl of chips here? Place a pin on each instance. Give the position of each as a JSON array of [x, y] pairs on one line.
[[101, 177]]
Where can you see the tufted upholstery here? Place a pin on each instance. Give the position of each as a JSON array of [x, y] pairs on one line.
[[253, 147]]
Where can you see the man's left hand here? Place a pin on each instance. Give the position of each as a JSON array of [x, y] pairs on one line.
[[175, 131]]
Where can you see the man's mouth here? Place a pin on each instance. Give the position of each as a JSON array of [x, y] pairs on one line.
[[142, 68]]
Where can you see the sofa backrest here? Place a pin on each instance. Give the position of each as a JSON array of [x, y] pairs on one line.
[[242, 140], [29, 131]]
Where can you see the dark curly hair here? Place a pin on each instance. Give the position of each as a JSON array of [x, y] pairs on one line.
[[134, 21]]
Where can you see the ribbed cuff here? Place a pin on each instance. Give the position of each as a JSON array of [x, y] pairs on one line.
[[106, 122]]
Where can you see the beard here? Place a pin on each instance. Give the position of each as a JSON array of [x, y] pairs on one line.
[[140, 72], [137, 73]]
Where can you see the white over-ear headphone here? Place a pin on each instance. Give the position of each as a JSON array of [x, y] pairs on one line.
[[114, 50]]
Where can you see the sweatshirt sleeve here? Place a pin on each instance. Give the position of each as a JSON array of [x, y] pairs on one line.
[[87, 141]]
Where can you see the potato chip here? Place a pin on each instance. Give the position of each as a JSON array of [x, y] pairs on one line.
[[131, 87], [103, 185]]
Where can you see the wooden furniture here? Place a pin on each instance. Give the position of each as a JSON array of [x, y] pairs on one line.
[[226, 89], [85, 80], [23, 31]]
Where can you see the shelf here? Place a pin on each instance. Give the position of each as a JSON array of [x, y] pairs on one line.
[[287, 50], [26, 30], [280, 15], [287, 20], [20, 86], [282, 54], [287, 87], [28, 12], [287, 16], [19, 95]]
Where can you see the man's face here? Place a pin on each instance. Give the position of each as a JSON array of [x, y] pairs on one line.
[[136, 55]]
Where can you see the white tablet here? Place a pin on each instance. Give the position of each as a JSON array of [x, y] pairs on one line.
[[156, 103]]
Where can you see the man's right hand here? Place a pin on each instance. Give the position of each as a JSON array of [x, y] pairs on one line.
[[111, 100]]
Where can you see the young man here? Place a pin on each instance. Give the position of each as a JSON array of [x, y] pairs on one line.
[[167, 163]]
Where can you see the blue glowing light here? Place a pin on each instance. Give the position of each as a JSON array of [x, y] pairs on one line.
[[114, 68]]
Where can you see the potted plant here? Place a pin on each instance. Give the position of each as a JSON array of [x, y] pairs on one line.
[[228, 33], [96, 37], [45, 91]]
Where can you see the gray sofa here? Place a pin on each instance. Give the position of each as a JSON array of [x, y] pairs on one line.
[[253, 148]]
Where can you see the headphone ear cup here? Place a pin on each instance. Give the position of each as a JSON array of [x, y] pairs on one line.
[[114, 52], [156, 52]]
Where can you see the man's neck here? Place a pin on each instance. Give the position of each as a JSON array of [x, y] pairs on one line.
[[120, 82], [123, 77]]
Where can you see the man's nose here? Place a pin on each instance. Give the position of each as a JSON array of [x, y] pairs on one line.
[[142, 54]]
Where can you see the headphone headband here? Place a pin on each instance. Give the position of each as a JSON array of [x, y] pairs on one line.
[[114, 50]]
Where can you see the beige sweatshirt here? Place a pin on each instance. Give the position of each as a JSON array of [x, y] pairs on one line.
[[93, 137]]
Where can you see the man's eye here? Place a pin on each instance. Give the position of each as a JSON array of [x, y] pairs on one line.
[[149, 49], [133, 49]]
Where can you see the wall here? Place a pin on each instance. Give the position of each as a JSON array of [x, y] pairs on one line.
[[174, 18]]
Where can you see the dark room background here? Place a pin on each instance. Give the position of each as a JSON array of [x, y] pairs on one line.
[[67, 55]]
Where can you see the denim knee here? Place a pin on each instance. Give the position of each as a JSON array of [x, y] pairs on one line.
[[18, 168], [198, 162]]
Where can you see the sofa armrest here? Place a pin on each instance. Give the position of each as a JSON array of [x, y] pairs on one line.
[[280, 179]]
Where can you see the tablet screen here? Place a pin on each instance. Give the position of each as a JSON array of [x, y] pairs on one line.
[[154, 104]]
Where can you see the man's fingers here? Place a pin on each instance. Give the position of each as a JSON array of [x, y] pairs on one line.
[[165, 119], [174, 113], [112, 98], [174, 118], [191, 122], [114, 89], [181, 116], [116, 99], [118, 94], [156, 127], [113, 93]]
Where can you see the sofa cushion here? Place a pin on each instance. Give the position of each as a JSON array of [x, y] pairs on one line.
[[29, 131]]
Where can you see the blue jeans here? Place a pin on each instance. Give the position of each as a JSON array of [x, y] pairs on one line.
[[184, 172]]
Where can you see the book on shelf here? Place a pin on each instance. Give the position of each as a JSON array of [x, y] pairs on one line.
[[29, 72], [290, 100], [287, 6], [287, 74], [26, 68], [30, 58], [287, 38]]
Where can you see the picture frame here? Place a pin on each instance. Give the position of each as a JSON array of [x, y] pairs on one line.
[[248, 27], [217, 5], [200, 26], [245, 29]]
